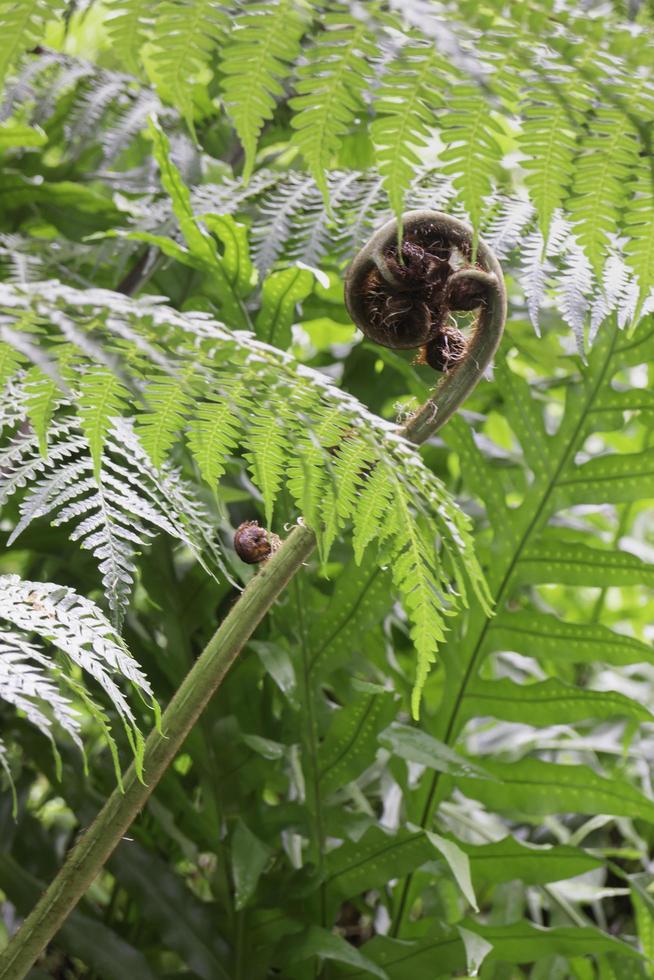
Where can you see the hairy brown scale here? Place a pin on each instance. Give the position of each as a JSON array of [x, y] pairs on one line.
[[409, 295]]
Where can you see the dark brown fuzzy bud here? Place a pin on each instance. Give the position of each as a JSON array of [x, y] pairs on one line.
[[445, 351], [465, 293], [253, 543]]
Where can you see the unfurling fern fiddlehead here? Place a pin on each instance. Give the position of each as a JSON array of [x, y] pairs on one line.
[[402, 293]]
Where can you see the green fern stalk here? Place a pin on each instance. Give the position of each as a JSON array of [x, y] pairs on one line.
[[92, 850]]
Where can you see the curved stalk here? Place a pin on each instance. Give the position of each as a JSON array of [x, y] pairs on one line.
[[87, 857], [94, 847]]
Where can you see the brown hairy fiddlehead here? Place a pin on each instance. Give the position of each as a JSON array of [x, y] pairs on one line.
[[407, 296], [254, 544]]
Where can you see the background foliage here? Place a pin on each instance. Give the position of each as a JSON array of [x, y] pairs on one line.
[[172, 176]]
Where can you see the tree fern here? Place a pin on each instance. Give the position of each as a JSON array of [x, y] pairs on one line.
[[329, 89], [265, 41]]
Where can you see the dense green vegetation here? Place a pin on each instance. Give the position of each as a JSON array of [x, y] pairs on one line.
[[432, 755]]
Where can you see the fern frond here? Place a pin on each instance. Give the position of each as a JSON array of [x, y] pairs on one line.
[[619, 291], [76, 627], [42, 396], [17, 262], [639, 221], [185, 34], [101, 397], [330, 89], [27, 681], [215, 427], [411, 90], [267, 440], [169, 402], [550, 123], [129, 23], [506, 225], [575, 289], [311, 482], [21, 26], [603, 170], [113, 516], [262, 46], [97, 98], [473, 154], [280, 209]]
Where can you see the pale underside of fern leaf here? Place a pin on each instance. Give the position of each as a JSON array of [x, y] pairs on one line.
[[46, 628]]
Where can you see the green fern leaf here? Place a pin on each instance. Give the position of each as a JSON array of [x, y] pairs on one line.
[[639, 221], [534, 787], [603, 169], [353, 460], [185, 34], [129, 23], [373, 504], [310, 480], [267, 447], [42, 397], [21, 26], [215, 427], [330, 88], [235, 260], [550, 702], [550, 123], [264, 42], [577, 564], [351, 743], [418, 582], [101, 398], [411, 91], [473, 154], [202, 247], [281, 292], [542, 635], [170, 401], [10, 363]]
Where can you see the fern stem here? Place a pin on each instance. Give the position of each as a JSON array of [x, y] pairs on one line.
[[88, 856]]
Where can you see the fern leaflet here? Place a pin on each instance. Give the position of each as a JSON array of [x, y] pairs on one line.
[[263, 44]]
